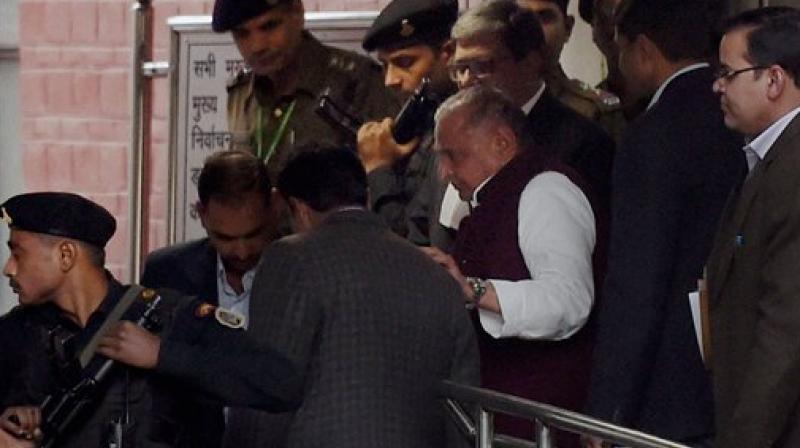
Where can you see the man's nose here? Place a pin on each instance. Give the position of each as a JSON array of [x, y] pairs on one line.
[[9, 268], [392, 80], [467, 79]]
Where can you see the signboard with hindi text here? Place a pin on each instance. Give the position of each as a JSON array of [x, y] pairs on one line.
[[201, 63]]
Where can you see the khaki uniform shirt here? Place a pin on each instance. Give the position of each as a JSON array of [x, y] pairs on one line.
[[355, 82], [595, 104]]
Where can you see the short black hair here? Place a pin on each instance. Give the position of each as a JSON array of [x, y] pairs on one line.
[[681, 29], [325, 178], [227, 176], [773, 37]]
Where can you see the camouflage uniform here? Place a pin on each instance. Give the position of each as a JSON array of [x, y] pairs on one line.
[[595, 104], [355, 82]]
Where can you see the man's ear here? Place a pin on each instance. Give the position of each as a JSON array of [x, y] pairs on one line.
[[202, 212], [777, 80], [504, 142], [67, 254], [446, 52]]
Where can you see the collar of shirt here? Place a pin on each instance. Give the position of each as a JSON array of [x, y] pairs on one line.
[[473, 201], [761, 144], [664, 85], [534, 99], [228, 298]]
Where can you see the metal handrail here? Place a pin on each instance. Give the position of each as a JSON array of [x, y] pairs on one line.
[[544, 415]]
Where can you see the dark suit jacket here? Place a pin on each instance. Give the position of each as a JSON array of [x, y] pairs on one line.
[[190, 268], [577, 141], [674, 169], [755, 304], [372, 323]]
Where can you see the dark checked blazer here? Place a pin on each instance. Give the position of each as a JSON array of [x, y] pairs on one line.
[[755, 304], [673, 171], [373, 324]]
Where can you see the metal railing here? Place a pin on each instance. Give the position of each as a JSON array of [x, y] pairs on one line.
[[485, 403]]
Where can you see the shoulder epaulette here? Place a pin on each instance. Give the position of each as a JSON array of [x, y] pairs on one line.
[[604, 100], [349, 62]]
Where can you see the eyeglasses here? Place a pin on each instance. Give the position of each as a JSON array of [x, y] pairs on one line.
[[479, 68], [729, 74]]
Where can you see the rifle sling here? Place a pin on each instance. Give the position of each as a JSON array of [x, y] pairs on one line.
[[88, 352]]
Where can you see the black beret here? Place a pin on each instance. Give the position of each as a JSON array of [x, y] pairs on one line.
[[61, 214], [410, 22], [229, 14]]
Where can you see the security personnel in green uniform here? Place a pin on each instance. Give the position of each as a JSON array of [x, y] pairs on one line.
[[74, 316], [271, 103], [411, 40], [596, 104]]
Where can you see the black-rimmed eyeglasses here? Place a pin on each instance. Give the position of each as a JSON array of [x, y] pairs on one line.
[[728, 74]]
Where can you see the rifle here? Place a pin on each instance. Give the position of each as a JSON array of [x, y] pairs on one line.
[[413, 120], [60, 409]]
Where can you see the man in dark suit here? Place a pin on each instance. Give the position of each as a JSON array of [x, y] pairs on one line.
[[501, 44], [371, 322], [672, 173], [753, 269], [237, 213]]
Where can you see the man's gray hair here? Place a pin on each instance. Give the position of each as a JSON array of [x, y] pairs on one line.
[[487, 105], [518, 28]]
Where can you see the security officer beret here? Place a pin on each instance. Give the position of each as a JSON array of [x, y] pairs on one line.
[[61, 214], [409, 22], [229, 14]]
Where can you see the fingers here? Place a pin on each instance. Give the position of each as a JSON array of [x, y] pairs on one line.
[[21, 421], [131, 344], [439, 256]]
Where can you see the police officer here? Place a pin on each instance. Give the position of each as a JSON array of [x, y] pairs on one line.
[[411, 38], [600, 15], [74, 316], [596, 104], [271, 103]]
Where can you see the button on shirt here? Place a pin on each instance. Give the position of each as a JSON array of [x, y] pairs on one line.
[[228, 298]]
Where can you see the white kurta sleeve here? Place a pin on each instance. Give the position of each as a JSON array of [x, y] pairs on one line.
[[557, 236]]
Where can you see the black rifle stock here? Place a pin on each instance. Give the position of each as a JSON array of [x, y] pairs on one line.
[[60, 409], [413, 120]]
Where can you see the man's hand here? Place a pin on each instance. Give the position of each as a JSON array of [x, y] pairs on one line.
[[376, 145], [9, 441], [447, 262], [594, 442], [19, 425], [489, 301], [131, 344]]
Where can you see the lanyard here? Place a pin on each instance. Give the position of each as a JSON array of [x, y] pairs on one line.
[[276, 137]]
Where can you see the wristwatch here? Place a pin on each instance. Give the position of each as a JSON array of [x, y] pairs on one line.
[[478, 286]]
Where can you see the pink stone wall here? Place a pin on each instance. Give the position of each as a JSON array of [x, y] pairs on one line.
[[75, 68]]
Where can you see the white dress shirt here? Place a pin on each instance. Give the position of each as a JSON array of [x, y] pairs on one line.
[[760, 145], [228, 298], [556, 230]]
